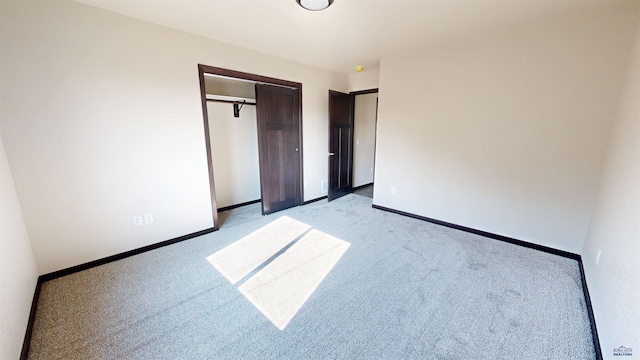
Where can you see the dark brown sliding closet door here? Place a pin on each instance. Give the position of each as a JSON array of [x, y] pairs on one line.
[[278, 140]]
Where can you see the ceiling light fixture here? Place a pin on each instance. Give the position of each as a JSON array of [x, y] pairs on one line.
[[315, 5]]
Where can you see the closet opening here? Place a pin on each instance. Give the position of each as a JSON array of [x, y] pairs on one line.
[[253, 140]]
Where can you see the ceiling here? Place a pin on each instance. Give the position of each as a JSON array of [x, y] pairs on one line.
[[349, 32]]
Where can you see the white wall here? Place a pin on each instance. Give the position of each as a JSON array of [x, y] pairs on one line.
[[366, 80], [506, 132], [364, 134], [18, 271], [102, 120], [234, 149], [614, 283]]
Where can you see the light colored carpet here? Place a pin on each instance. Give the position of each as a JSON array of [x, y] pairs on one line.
[[404, 289]]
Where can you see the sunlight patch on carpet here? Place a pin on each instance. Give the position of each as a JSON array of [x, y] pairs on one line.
[[283, 286], [237, 260], [286, 263]]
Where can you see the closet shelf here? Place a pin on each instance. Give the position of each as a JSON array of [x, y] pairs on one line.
[[230, 99]]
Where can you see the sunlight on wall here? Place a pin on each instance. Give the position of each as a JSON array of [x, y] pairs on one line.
[[284, 284]]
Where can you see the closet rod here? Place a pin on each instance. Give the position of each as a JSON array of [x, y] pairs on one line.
[[231, 102]]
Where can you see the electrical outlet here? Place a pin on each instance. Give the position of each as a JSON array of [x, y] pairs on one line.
[[324, 186], [305, 184], [393, 190], [148, 218], [137, 220], [598, 256]]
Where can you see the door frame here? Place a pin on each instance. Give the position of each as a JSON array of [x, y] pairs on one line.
[[352, 109], [354, 94], [205, 69]]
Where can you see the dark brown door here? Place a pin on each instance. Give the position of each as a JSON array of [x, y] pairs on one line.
[[279, 144], [340, 144]]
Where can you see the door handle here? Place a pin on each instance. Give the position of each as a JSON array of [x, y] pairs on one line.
[[331, 154]]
